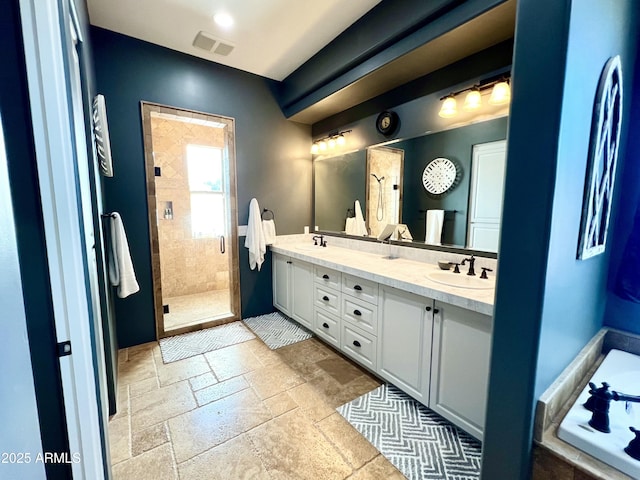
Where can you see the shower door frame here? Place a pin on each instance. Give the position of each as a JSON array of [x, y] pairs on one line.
[[234, 268]]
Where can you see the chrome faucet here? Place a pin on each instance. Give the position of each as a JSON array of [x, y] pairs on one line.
[[472, 262]]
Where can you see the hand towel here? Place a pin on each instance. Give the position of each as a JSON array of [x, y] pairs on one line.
[[121, 271], [360, 227], [350, 226], [434, 222], [255, 236], [269, 231]]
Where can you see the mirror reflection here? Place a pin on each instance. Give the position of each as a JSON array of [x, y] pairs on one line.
[[387, 183]]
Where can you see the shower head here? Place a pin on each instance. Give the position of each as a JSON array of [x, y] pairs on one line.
[[376, 177]]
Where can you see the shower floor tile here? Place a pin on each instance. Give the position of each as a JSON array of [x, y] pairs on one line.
[[192, 309]]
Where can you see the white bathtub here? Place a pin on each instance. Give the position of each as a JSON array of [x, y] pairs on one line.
[[621, 370]]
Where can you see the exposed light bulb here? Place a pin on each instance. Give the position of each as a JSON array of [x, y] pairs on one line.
[[332, 143], [500, 94], [322, 145], [314, 148], [449, 107], [223, 19], [341, 140], [473, 100]]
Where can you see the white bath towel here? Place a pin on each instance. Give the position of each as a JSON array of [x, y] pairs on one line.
[[350, 226], [255, 236], [269, 230], [360, 227], [433, 230], [121, 271]]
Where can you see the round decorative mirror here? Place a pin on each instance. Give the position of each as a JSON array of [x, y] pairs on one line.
[[439, 176]]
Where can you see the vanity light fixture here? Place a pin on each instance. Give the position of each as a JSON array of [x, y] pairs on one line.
[[500, 95], [330, 142], [473, 100], [449, 107]]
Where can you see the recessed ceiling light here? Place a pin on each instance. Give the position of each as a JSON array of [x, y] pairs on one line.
[[223, 19]]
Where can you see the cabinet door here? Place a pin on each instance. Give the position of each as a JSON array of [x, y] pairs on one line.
[[404, 341], [281, 290], [460, 373], [302, 293]]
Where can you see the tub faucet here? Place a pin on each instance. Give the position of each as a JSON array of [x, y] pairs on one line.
[[599, 403], [472, 262]]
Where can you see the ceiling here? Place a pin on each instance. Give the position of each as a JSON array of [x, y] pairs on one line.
[[484, 31], [271, 38]]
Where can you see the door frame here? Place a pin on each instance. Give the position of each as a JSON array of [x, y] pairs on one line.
[[47, 82], [232, 245]]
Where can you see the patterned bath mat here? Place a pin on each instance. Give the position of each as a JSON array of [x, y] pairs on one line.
[[419, 442], [276, 330], [194, 343]]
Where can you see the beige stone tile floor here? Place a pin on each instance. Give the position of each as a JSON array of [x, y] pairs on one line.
[[192, 309], [241, 412]]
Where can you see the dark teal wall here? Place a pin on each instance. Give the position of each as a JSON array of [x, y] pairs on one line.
[[457, 145], [548, 304], [273, 159], [620, 313], [28, 220]]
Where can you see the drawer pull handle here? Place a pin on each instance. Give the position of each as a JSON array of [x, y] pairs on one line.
[[325, 276], [289, 262], [325, 325], [357, 312], [428, 309], [435, 310], [325, 298], [356, 343], [357, 287]]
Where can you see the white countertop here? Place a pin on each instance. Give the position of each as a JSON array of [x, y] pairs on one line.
[[401, 273]]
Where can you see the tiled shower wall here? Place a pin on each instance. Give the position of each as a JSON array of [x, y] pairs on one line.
[[189, 265], [384, 162]]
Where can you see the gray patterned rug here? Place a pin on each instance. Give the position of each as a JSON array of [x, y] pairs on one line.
[[191, 344], [419, 442], [276, 330]]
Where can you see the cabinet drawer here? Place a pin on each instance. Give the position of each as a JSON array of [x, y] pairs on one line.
[[327, 327], [361, 314], [359, 345], [359, 288], [327, 299], [327, 277]]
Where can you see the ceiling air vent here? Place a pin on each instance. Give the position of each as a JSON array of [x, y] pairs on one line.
[[204, 41], [223, 49]]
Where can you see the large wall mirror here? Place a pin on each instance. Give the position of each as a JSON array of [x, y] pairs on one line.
[[468, 212]]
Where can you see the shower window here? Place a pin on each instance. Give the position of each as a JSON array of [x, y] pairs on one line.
[[206, 188]]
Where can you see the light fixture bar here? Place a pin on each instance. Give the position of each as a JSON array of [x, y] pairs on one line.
[[482, 85], [329, 142]]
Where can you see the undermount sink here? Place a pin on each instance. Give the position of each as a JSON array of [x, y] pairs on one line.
[[461, 280], [310, 248]]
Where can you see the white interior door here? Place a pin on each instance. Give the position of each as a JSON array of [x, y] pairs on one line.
[[56, 159], [485, 198]]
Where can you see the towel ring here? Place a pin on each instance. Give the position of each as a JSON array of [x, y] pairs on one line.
[[266, 211]]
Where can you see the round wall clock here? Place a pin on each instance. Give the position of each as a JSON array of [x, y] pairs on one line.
[[387, 122], [439, 176]]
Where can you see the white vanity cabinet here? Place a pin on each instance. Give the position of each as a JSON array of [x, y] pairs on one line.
[[460, 366], [327, 301], [293, 288], [404, 343]]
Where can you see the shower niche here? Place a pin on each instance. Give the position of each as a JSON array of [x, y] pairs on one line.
[[383, 188]]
